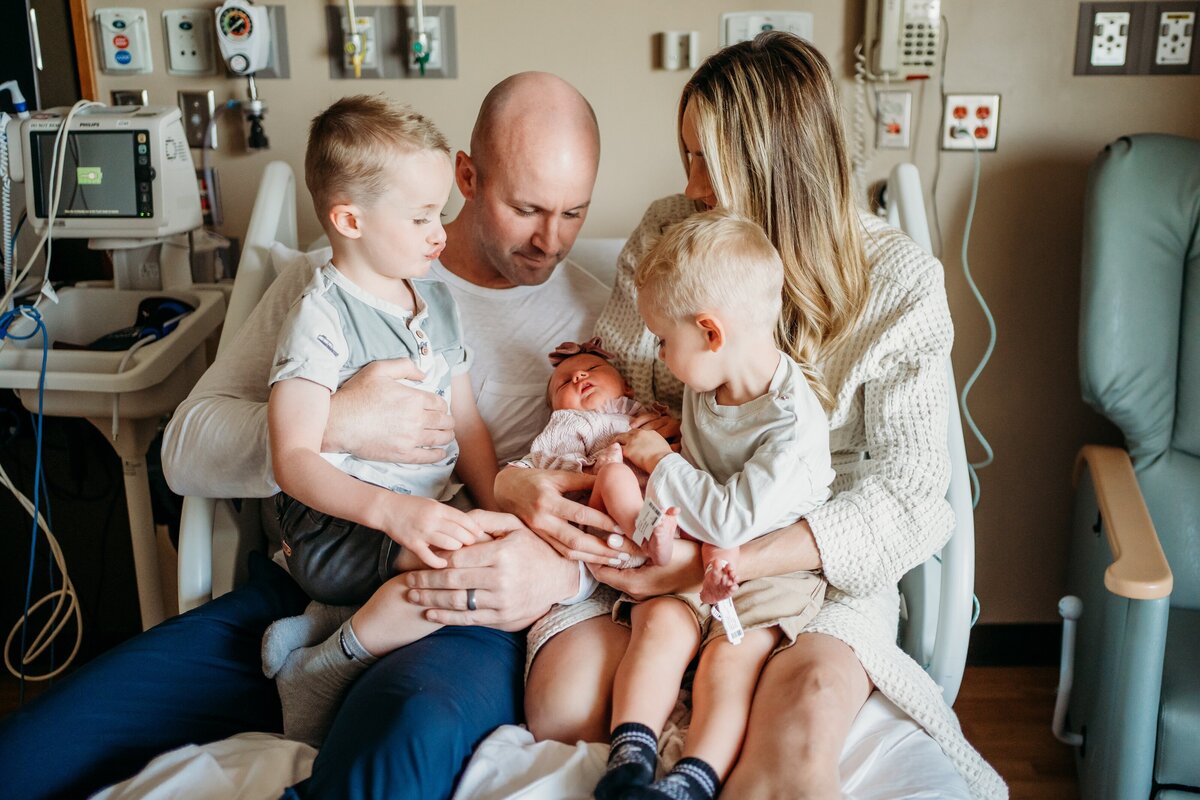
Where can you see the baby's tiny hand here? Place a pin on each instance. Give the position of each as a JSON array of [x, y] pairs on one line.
[[644, 448]]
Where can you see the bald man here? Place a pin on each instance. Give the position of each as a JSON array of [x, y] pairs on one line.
[[408, 726]]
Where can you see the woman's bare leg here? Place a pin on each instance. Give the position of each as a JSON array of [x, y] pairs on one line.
[[568, 696], [807, 698]]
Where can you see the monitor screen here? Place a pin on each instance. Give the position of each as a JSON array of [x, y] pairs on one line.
[[100, 176]]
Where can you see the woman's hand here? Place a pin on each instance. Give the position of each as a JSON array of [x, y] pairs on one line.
[[683, 573], [536, 496]]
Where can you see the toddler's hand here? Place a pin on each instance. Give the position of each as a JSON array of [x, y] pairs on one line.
[[644, 448], [662, 424], [421, 523]]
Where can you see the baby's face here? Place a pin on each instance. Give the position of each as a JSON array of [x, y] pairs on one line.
[[585, 382]]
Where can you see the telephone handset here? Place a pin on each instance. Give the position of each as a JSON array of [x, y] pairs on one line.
[[904, 38]]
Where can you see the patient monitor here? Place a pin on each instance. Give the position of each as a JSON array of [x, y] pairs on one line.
[[128, 185], [127, 172]]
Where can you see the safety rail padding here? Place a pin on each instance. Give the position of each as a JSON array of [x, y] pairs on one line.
[[1139, 570]]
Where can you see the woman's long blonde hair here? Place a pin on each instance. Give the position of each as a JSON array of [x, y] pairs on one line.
[[770, 127]]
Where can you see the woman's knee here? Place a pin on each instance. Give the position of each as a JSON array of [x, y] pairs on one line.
[[569, 690]]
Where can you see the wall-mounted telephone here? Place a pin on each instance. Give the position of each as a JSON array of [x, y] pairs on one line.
[[903, 38]]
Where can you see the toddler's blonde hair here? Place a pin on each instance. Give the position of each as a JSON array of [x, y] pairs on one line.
[[351, 144], [714, 261]]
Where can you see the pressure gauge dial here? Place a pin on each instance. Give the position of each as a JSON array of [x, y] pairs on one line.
[[236, 23]]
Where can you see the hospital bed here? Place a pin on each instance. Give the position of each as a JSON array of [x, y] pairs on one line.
[[885, 751]]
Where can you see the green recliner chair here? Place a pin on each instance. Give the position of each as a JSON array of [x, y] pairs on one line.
[[1134, 708]]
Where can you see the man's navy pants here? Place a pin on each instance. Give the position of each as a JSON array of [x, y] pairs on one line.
[[405, 730]]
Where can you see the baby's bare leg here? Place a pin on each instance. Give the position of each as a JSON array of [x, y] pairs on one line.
[[720, 573], [617, 486]]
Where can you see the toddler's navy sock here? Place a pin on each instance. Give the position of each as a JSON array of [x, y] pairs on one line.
[[689, 779], [631, 761]]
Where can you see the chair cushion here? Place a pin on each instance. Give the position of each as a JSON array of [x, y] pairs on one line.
[[1178, 759]]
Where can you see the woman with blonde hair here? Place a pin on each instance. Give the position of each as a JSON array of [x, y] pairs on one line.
[[865, 313]]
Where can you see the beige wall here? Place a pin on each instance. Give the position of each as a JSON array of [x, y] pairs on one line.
[[1024, 246]]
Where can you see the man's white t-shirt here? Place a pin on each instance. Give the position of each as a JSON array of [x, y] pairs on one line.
[[509, 330]]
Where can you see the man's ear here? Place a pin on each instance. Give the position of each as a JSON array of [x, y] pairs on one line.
[[713, 330], [345, 217], [465, 175]]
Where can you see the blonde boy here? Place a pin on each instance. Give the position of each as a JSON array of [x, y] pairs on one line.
[[755, 458], [379, 175]]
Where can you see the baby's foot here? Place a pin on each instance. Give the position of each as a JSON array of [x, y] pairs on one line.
[[720, 582], [609, 455], [662, 539]]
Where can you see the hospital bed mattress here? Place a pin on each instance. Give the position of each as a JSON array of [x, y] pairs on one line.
[[886, 757]]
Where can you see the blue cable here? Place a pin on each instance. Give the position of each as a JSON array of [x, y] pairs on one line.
[[6, 320], [974, 466]]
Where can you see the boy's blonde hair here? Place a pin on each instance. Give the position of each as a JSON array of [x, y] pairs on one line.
[[713, 261], [351, 143]]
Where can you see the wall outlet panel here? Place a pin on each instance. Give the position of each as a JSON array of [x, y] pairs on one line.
[[893, 120], [190, 47], [1169, 44], [975, 115], [1109, 38], [443, 44], [124, 38], [198, 109], [393, 43], [130, 97]]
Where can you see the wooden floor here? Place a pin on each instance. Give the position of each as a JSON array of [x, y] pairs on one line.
[[1005, 713]]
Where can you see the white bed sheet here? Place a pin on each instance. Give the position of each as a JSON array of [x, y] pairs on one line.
[[887, 757]]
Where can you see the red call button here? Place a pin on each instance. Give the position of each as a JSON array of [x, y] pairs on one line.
[[121, 41]]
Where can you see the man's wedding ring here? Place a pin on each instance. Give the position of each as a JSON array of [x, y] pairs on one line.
[[470, 599]]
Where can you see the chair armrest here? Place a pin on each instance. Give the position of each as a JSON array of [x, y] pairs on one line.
[[1139, 570], [195, 552]]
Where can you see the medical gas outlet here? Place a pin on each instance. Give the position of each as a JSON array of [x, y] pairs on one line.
[[970, 121]]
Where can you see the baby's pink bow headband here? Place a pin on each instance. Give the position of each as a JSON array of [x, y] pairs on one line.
[[565, 350]]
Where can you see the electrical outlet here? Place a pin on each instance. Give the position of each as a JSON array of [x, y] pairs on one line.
[[198, 109], [130, 97], [893, 120], [971, 121], [1108, 39]]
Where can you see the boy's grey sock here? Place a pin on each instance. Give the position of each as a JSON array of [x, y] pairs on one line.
[[292, 633], [312, 680]]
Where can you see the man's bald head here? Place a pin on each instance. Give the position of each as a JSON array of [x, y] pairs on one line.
[[527, 182], [533, 114]]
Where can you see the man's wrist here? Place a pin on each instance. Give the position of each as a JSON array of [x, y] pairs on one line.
[[586, 584]]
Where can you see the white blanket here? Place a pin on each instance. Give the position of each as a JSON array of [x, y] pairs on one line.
[[887, 757]]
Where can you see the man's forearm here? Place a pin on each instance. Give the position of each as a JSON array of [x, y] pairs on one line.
[[217, 447]]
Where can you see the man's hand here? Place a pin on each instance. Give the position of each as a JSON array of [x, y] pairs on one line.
[[516, 578], [643, 448], [536, 496], [376, 417], [683, 573], [420, 524]]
